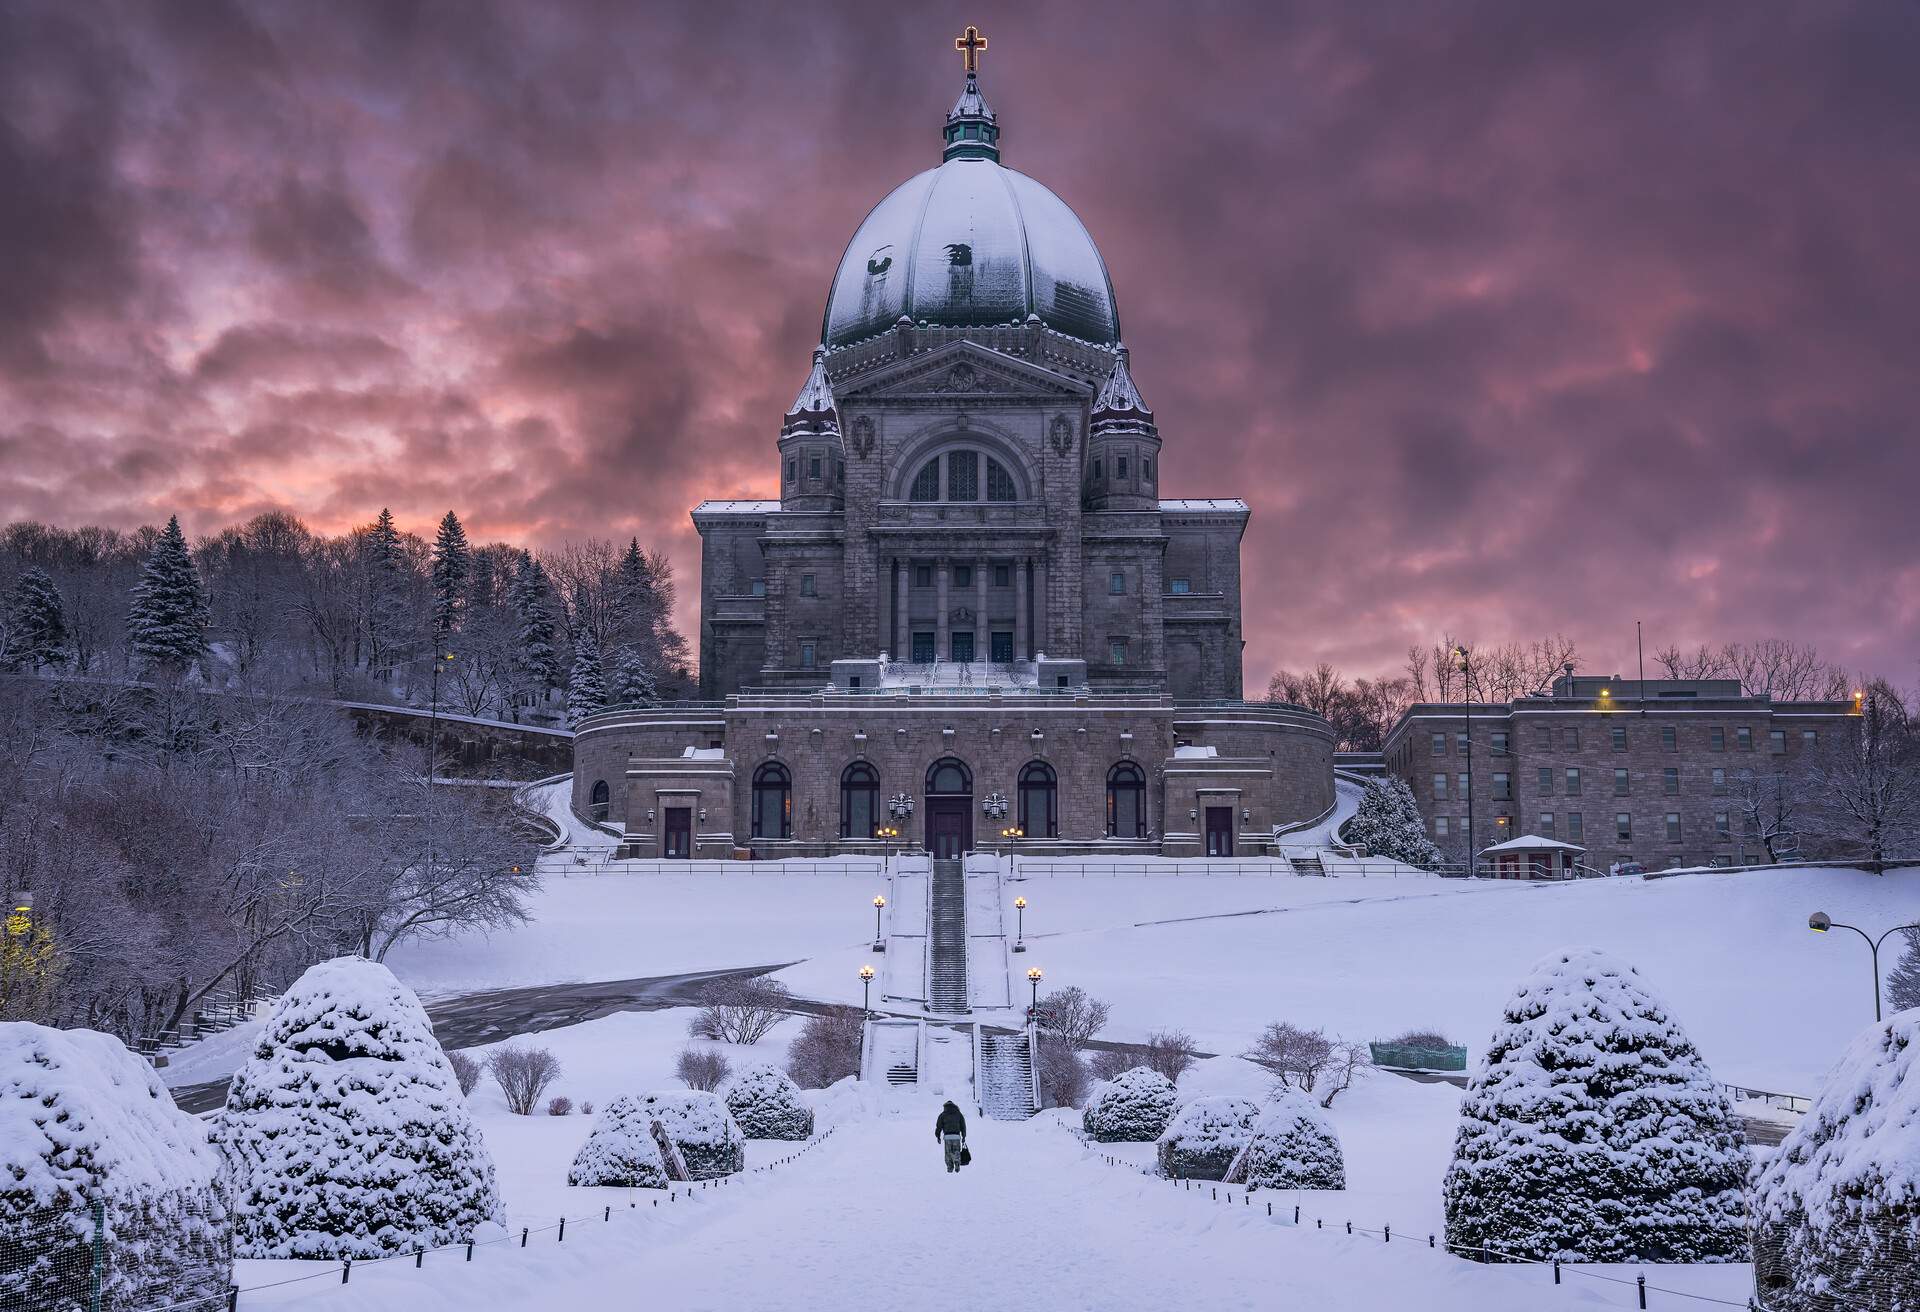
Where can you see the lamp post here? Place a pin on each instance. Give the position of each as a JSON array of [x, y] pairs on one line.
[[866, 991], [1020, 910], [19, 914], [879, 939], [1820, 922], [1034, 976], [1463, 661], [1012, 832], [900, 807]]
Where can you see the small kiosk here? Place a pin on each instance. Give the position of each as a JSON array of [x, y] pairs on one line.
[[1533, 857]]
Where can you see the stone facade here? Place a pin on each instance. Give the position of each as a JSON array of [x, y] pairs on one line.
[[1683, 748]]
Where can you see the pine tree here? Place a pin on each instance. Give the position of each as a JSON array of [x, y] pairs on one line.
[[1903, 985], [167, 624], [586, 687], [1592, 1131], [452, 564], [1388, 824], [389, 619], [768, 1105], [531, 600], [36, 624], [632, 683]]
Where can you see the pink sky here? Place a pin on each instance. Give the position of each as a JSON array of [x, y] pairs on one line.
[[1506, 318]]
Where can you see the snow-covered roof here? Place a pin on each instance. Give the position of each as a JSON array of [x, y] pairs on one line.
[[736, 508], [1119, 393], [1532, 843], [704, 754], [1188, 752], [1204, 503]]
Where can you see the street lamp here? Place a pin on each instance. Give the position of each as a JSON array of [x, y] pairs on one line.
[[1020, 939], [1034, 977], [879, 939], [1463, 661], [20, 917], [866, 991], [1820, 922], [1012, 832]]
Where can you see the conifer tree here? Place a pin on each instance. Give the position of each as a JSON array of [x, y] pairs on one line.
[[36, 623], [530, 598], [1388, 824], [1903, 985], [452, 565], [388, 619], [632, 683], [167, 624], [1592, 1131], [586, 688]]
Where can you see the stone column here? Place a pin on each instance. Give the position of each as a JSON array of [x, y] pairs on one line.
[[982, 631], [1041, 635], [940, 649], [1020, 652], [902, 639]]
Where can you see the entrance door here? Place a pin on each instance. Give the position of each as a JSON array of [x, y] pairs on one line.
[[1219, 831], [962, 642], [949, 827], [1002, 648], [923, 649], [676, 841]]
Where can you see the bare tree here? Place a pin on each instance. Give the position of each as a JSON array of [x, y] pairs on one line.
[[1309, 1061], [1073, 1015], [1062, 1076], [1170, 1052], [827, 1049], [1770, 667], [1770, 803], [702, 1068], [466, 1070], [739, 1009], [1863, 789], [523, 1074]]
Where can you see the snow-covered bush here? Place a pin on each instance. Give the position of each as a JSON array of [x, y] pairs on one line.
[[1837, 1208], [83, 1119], [1132, 1107], [1591, 1129], [560, 1105], [1903, 981], [700, 1125], [1388, 823], [767, 1105], [466, 1070], [621, 1150], [1204, 1136], [1294, 1146], [346, 1132]]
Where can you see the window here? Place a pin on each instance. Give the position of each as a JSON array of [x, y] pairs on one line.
[[1623, 827], [859, 801], [1439, 788], [1117, 651], [1039, 795], [1669, 739], [839, 471], [1439, 744], [949, 776], [1126, 801], [923, 576], [1545, 824], [1743, 738], [806, 655], [1117, 582], [1576, 823], [806, 586], [1620, 785], [1719, 783], [1809, 737], [1464, 782], [1546, 780], [813, 468], [1571, 737], [853, 681], [1180, 587], [1716, 739], [1499, 744], [1543, 737], [1439, 826], [793, 469], [1670, 781], [759, 587], [1096, 471], [1120, 468], [960, 645], [1460, 741], [772, 801], [1000, 483], [963, 576], [1146, 469], [599, 799], [1002, 576], [1573, 781], [963, 476], [1673, 826], [1502, 786], [1619, 739], [926, 483], [1722, 825], [1777, 741]]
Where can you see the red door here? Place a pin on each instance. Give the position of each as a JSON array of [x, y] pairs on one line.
[[949, 826], [676, 842]]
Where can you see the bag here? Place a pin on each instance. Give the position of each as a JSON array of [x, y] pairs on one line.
[[966, 1155]]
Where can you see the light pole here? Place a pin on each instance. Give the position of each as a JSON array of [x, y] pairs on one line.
[[1020, 910], [1034, 977], [1012, 832], [866, 991], [20, 914], [1463, 661], [900, 807], [879, 939], [1820, 922], [433, 743], [886, 834]]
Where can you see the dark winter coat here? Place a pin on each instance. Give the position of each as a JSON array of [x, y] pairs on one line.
[[951, 1122]]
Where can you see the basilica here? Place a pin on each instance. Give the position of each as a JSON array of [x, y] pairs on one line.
[[969, 619]]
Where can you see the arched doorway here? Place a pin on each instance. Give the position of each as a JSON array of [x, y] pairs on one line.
[[1126, 801], [772, 801], [949, 808], [1039, 801]]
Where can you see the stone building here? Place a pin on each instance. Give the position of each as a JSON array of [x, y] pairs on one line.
[[1657, 771], [969, 590]]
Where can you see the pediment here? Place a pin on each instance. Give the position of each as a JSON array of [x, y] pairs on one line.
[[961, 370]]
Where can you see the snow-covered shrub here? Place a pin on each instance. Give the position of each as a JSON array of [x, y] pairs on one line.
[[83, 1119], [827, 1049], [1388, 823], [702, 1068], [560, 1105], [586, 1109], [466, 1070], [1204, 1136], [702, 1128], [1592, 1131], [523, 1074], [1294, 1146], [767, 1105], [345, 1131], [1132, 1107], [621, 1150], [1837, 1208], [1903, 981]]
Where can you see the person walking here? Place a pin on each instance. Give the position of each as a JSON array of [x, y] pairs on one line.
[[950, 1131]]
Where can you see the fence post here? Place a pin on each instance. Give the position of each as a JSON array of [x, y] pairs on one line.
[[469, 1250], [523, 1236], [1642, 1282], [1389, 1234], [1556, 1270], [419, 1256], [563, 1231], [233, 1298], [346, 1270], [98, 1277]]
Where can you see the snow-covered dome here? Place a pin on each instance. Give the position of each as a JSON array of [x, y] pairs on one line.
[[971, 244]]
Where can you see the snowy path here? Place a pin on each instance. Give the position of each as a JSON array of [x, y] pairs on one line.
[[1036, 1221]]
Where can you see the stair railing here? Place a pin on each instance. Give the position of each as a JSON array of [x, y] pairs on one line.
[[1033, 1067]]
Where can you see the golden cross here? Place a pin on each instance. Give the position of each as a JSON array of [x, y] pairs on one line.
[[970, 45]]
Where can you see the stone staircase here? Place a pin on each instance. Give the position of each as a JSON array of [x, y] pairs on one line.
[[890, 1051], [947, 950], [1006, 1075], [1307, 865]]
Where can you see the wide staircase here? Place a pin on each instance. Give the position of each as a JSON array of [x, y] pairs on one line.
[[1006, 1075], [947, 953], [1307, 865]]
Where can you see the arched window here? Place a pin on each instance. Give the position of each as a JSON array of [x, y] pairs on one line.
[[598, 799], [1000, 483], [963, 476], [949, 776], [926, 484], [1126, 801], [963, 481], [772, 801], [1039, 792], [859, 801]]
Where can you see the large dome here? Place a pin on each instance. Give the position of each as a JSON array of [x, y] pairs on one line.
[[971, 244]]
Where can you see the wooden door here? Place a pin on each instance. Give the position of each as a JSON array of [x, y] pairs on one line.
[[949, 826], [676, 841], [1219, 831]]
